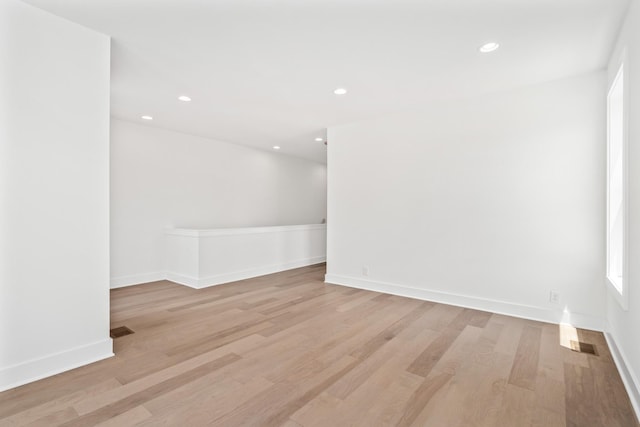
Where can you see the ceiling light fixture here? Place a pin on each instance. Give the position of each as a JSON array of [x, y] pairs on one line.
[[147, 117], [340, 91], [489, 47], [276, 147], [184, 98], [318, 139]]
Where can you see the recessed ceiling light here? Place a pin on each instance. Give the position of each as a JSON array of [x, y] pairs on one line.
[[489, 47], [147, 117], [318, 139], [184, 98], [340, 91], [276, 147]]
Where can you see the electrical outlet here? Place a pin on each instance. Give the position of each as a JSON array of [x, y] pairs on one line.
[[554, 297], [365, 271]]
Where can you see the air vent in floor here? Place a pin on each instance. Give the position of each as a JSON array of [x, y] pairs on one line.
[[583, 347], [120, 331]]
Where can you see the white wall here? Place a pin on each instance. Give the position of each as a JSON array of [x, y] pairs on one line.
[[490, 202], [54, 194], [201, 258], [163, 179], [624, 325]]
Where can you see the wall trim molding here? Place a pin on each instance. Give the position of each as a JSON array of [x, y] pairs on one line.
[[220, 279], [188, 232], [136, 279], [541, 314], [629, 379], [196, 283], [53, 364], [182, 279]]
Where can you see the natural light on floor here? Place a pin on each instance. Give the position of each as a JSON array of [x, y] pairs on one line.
[[568, 332]]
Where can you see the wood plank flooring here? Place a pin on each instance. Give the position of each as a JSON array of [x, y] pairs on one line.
[[287, 349]]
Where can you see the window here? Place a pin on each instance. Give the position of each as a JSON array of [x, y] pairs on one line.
[[616, 187]]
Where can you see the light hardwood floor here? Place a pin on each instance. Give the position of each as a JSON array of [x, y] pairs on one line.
[[287, 349]]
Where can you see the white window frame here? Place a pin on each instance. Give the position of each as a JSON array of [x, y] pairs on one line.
[[621, 295]]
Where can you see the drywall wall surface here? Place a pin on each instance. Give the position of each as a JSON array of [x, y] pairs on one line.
[[162, 179], [202, 258], [491, 202], [54, 194]]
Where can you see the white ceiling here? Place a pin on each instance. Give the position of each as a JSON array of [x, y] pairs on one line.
[[262, 72]]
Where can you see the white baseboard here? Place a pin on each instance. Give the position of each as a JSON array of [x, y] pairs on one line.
[[219, 279], [629, 378], [37, 369], [136, 279], [500, 307], [182, 279]]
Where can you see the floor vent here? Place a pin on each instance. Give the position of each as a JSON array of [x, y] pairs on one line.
[[583, 347], [120, 331]]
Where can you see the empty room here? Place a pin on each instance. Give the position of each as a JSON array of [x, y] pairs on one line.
[[319, 213]]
